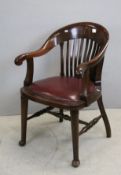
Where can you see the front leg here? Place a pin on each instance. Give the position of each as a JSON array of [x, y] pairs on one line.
[[24, 110], [75, 136]]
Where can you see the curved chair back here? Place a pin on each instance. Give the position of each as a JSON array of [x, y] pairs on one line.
[[79, 43]]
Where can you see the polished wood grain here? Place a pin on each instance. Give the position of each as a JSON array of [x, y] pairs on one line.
[[82, 52]]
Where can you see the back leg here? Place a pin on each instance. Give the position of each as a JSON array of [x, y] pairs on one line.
[[61, 118], [104, 116]]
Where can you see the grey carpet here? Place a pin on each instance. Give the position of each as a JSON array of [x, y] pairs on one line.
[[49, 148]]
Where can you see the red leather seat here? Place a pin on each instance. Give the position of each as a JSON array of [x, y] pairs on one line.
[[60, 89]]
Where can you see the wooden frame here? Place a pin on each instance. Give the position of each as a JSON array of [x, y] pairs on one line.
[[88, 38]]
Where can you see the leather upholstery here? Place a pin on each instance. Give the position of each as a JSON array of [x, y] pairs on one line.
[[60, 88]]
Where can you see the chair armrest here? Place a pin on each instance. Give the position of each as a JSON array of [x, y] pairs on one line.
[[82, 71], [48, 45], [84, 67]]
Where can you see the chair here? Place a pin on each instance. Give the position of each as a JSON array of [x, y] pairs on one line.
[[82, 51]]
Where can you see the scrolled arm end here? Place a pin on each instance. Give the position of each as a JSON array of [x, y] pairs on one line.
[[81, 69], [19, 59]]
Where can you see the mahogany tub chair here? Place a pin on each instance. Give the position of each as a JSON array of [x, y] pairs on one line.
[[82, 51]]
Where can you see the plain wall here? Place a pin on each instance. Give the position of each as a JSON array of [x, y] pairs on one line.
[[24, 26]]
